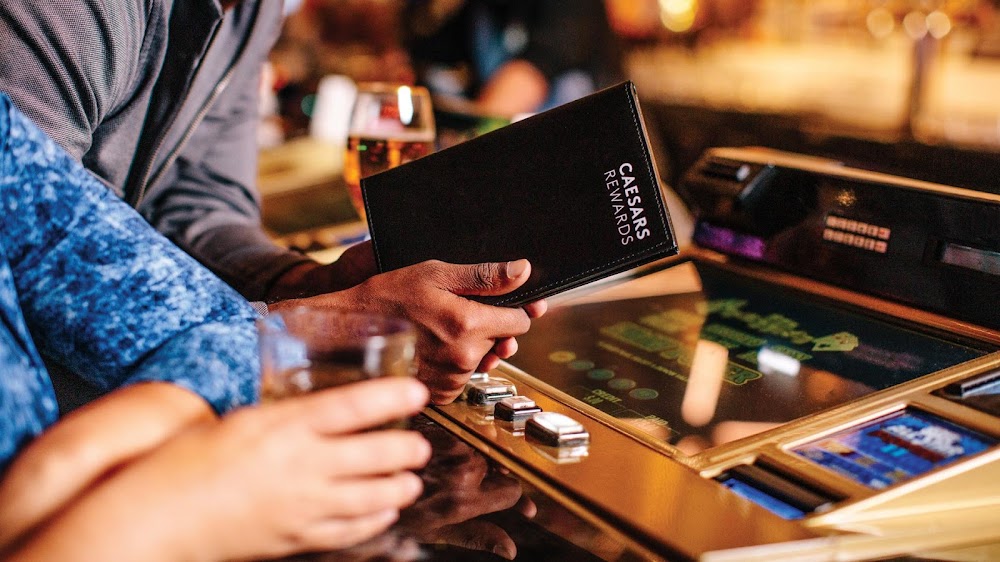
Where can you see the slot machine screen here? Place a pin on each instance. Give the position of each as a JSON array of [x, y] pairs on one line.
[[895, 448], [733, 358]]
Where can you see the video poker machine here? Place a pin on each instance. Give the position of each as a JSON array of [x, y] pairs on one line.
[[816, 378]]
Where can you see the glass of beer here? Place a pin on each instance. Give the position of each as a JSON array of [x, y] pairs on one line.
[[391, 124], [305, 349]]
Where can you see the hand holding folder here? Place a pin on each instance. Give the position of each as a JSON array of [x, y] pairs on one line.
[[574, 190]]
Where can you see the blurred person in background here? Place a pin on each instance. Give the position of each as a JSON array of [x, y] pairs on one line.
[[512, 56], [355, 38], [159, 98]]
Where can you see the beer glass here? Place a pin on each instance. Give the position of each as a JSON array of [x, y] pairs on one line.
[[391, 124], [305, 349]]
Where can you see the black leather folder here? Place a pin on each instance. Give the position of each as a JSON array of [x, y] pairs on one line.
[[573, 189]]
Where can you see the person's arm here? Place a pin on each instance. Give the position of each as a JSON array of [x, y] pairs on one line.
[[518, 86], [457, 335], [105, 295], [563, 36], [68, 64], [264, 482], [65, 62], [149, 460], [87, 445], [207, 201]]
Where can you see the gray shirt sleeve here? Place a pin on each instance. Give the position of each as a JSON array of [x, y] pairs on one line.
[[61, 77], [207, 201], [70, 65]]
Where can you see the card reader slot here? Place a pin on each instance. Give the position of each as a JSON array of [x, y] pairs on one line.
[[781, 487], [973, 384]]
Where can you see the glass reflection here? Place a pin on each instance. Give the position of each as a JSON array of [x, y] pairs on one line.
[[473, 509], [701, 396]]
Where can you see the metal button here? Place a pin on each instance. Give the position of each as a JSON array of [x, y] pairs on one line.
[[489, 391], [556, 430], [515, 408]]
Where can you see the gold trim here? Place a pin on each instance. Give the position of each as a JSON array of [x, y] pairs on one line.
[[844, 548], [663, 482]]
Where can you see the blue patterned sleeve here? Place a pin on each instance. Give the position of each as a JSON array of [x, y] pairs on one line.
[[102, 292]]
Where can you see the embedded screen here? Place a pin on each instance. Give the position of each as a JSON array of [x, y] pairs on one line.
[[722, 356], [895, 448]]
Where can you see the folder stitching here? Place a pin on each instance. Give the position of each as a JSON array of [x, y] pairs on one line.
[[371, 229], [647, 159]]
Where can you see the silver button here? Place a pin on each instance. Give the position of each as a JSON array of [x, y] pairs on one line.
[[489, 391], [556, 430], [515, 408]]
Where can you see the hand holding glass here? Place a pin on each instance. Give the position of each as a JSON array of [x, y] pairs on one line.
[[391, 124], [306, 349]]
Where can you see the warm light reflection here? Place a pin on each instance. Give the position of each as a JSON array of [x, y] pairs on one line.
[[915, 24], [658, 431], [679, 279], [938, 23], [678, 15], [404, 97], [770, 361], [729, 431], [880, 23], [708, 368], [846, 198], [824, 387], [693, 444]]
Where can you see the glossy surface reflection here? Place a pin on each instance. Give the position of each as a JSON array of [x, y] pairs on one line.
[[472, 509], [730, 359]]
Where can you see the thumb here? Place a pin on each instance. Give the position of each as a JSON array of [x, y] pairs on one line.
[[487, 278], [478, 535]]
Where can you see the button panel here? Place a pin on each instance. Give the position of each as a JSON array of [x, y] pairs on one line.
[[557, 436]]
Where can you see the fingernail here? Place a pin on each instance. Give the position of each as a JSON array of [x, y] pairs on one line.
[[515, 268], [504, 551], [425, 452]]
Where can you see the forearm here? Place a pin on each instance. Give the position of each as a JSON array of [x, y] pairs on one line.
[[208, 203], [309, 278], [245, 257], [215, 360], [100, 290], [130, 516], [87, 445]]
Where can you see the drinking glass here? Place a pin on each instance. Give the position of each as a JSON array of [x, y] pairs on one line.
[[305, 349], [391, 124]]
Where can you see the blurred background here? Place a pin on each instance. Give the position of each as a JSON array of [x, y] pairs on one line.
[[910, 87]]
